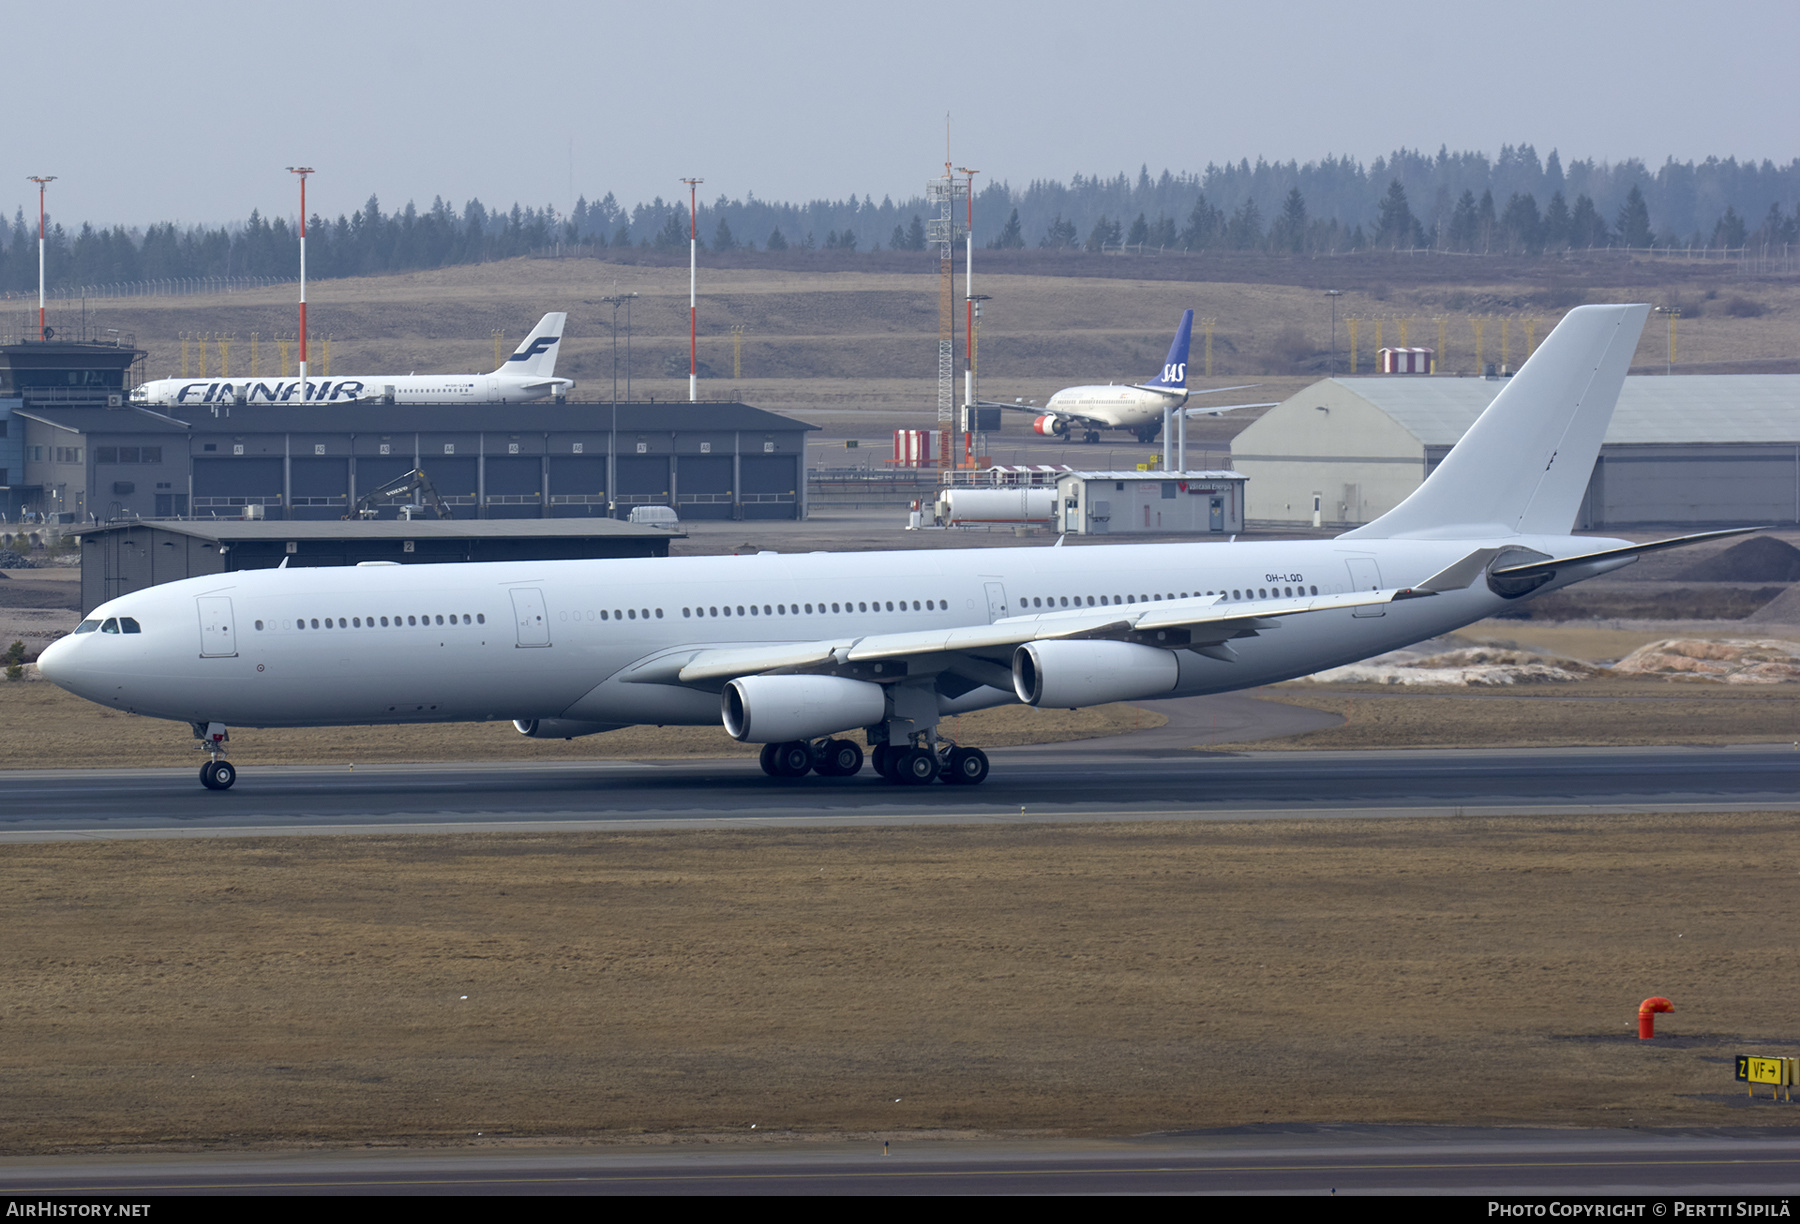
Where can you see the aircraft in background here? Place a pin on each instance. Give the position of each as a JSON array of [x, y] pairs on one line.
[[529, 374], [1138, 407], [793, 651]]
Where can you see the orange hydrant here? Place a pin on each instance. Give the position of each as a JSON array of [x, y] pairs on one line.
[[1647, 1015]]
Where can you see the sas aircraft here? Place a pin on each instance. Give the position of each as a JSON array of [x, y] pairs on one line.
[[1138, 407], [529, 374], [816, 655]]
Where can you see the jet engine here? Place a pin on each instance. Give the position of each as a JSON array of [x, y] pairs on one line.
[[560, 728], [1084, 672], [1051, 426], [775, 709]]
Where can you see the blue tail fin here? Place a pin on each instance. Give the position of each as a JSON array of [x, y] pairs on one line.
[[1174, 371]]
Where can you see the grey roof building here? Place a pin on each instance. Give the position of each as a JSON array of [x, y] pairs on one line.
[[1701, 450], [538, 460]]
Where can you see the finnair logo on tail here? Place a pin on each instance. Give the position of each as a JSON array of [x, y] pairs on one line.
[[542, 344]]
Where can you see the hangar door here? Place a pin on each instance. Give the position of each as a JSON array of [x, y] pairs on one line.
[[705, 490], [771, 486], [223, 483]]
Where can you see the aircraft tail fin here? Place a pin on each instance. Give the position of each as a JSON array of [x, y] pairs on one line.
[[536, 355], [1174, 371], [1524, 466]]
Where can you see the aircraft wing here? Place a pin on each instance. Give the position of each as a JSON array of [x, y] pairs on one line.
[[1079, 418], [1201, 624], [1216, 409]]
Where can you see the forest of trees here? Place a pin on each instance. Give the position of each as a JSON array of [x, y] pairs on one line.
[[1512, 204]]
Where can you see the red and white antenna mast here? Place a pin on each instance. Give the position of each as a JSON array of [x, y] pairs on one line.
[[302, 171], [693, 265], [41, 181], [969, 297]]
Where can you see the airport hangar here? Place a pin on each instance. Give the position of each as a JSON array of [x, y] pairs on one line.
[[1699, 450], [88, 463]]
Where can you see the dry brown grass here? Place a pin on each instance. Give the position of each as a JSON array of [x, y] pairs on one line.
[[46, 728], [827, 340], [1603, 712], [1052, 979]]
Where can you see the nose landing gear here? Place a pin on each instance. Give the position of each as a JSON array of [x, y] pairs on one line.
[[217, 773]]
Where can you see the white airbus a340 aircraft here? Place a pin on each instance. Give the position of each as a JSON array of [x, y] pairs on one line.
[[793, 651], [529, 374], [1138, 407]]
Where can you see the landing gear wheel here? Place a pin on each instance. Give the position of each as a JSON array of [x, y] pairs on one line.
[[217, 775], [916, 767], [883, 757], [793, 759], [838, 758], [1092, 435], [768, 760], [966, 767]]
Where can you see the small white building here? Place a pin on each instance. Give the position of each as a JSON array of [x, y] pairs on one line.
[[1122, 503], [1699, 450]]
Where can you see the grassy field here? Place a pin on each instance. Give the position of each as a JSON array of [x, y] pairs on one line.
[[1070, 980], [845, 342], [1601, 713]]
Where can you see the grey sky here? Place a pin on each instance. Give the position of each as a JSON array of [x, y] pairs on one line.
[[190, 112]]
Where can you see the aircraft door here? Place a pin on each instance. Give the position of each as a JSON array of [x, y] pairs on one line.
[[218, 638], [1365, 575], [996, 597], [529, 614]]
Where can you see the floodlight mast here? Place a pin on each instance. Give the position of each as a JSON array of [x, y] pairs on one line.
[[302, 171], [693, 264], [42, 181]]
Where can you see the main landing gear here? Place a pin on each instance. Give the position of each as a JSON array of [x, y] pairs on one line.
[[909, 765], [832, 758], [217, 773], [918, 765]]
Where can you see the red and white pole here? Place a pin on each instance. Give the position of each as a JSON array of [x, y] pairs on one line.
[[693, 266], [302, 171], [41, 181], [969, 322]]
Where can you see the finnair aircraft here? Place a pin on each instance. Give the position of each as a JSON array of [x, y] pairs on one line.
[[793, 652], [1138, 407], [529, 374]]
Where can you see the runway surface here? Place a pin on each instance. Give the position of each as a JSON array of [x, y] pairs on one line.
[[1047, 783], [1322, 1161]]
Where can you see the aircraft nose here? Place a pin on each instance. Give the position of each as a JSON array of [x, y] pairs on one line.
[[56, 662]]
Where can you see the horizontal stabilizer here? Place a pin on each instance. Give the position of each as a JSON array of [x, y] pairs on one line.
[[1551, 565]]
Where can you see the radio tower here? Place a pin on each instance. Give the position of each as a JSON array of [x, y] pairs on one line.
[[941, 233]]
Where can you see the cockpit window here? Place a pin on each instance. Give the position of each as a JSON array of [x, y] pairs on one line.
[[87, 626], [111, 625], [128, 625]]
